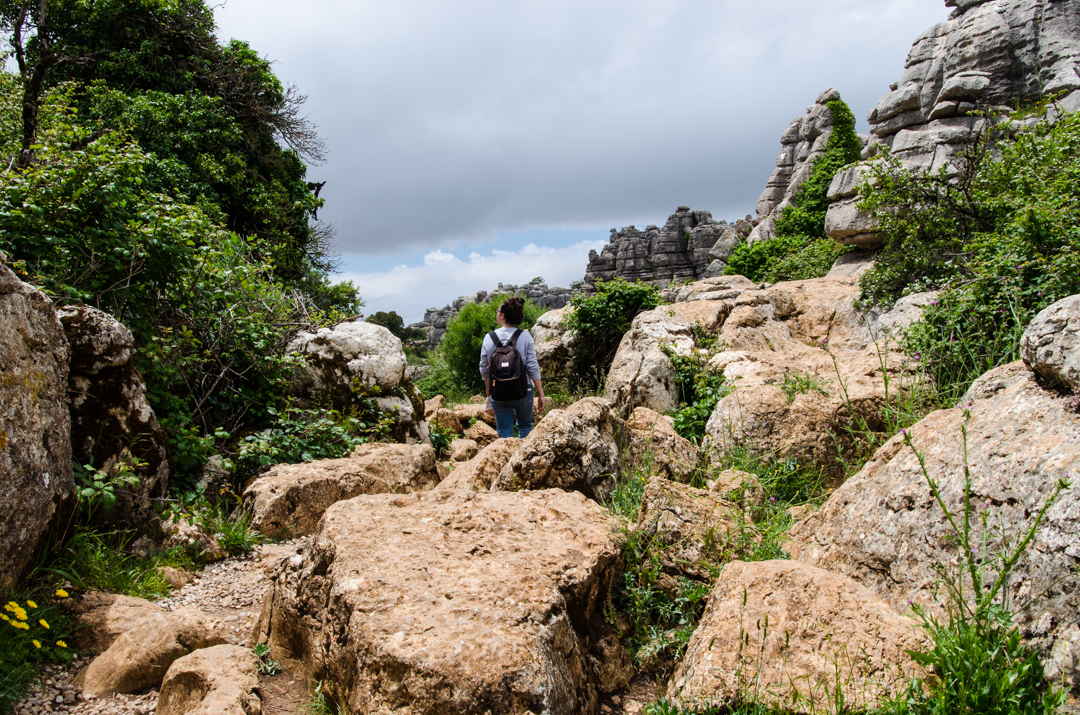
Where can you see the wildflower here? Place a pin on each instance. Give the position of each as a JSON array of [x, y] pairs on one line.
[[20, 624], [31, 604], [62, 644], [5, 617], [37, 643], [43, 623], [62, 593], [16, 609]]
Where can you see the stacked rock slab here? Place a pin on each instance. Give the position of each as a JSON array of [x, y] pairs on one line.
[[801, 145], [453, 603], [111, 420], [678, 251], [989, 54], [35, 428]]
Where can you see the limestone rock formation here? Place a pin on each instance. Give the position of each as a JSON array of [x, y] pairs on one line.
[[678, 251], [452, 603], [482, 433], [462, 450], [357, 357], [555, 345], [436, 319], [1051, 343], [692, 528], [199, 545], [35, 427], [800, 146], [884, 528], [221, 680], [102, 617], [655, 443], [291, 498], [112, 422], [574, 449], [989, 55], [774, 627], [477, 474], [138, 658]]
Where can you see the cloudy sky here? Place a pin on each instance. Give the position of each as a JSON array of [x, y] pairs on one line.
[[478, 141]]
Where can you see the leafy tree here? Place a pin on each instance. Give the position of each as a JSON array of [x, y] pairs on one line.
[[460, 348], [396, 325], [997, 236], [800, 248], [601, 319]]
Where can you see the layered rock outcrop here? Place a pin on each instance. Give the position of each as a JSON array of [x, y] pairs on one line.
[[793, 634], [452, 603], [354, 359], [35, 427], [112, 423], [989, 55], [682, 249], [885, 529]]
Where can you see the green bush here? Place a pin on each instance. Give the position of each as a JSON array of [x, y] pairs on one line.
[[601, 319], [800, 248], [33, 632], [460, 348], [996, 235], [699, 391]]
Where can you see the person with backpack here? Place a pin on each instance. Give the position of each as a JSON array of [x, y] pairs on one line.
[[508, 365]]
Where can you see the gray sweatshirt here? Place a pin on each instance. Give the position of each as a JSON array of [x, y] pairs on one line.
[[525, 346]]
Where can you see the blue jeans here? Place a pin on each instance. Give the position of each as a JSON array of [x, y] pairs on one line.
[[521, 411]]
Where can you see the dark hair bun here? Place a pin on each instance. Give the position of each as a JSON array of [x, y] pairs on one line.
[[513, 309]]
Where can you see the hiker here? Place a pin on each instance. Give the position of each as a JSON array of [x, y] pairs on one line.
[[508, 366]]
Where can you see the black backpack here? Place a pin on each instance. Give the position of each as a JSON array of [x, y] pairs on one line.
[[509, 380]]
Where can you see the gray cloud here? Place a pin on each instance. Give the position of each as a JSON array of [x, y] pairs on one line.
[[451, 121]]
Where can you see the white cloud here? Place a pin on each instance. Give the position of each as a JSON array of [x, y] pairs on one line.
[[410, 290]]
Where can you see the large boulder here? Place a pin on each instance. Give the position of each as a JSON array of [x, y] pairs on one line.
[[221, 680], [35, 427], [793, 635], [1051, 344], [112, 423], [452, 603], [477, 474], [139, 657], [656, 446], [693, 530], [291, 498], [576, 448], [555, 345], [884, 528], [357, 359], [102, 617]]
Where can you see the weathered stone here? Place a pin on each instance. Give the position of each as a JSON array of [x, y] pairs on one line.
[[221, 680], [692, 529], [101, 618], [446, 420], [739, 487], [884, 528], [575, 449], [477, 474], [199, 545], [848, 224], [473, 411], [462, 450], [432, 406], [904, 99], [1051, 343], [139, 657], [291, 498], [655, 445], [482, 433], [112, 423], [851, 266], [35, 428], [453, 603], [555, 345], [904, 313], [791, 634]]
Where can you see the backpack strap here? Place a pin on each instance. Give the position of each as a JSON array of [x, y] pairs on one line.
[[514, 337], [495, 339]]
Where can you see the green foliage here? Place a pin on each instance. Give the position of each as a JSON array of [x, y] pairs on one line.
[[460, 347], [661, 622], [441, 380], [800, 248], [441, 438], [601, 319], [105, 561], [998, 237], [978, 661], [267, 665], [33, 629], [396, 325], [302, 435], [699, 391], [539, 280], [795, 383], [95, 488]]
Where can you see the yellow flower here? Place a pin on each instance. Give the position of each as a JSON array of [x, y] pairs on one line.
[[37, 644], [5, 617], [31, 604], [43, 623], [62, 644], [16, 609], [62, 593], [20, 624]]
